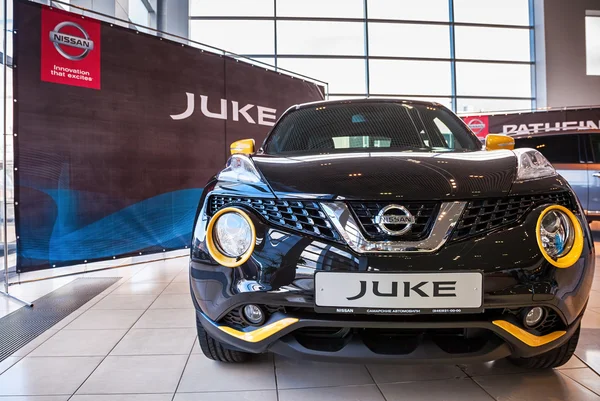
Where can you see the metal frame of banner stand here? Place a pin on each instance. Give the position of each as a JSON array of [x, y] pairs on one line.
[[6, 291]]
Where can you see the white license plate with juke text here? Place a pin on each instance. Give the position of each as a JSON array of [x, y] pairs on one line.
[[398, 293]]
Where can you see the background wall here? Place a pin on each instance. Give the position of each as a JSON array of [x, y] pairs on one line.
[[562, 78]]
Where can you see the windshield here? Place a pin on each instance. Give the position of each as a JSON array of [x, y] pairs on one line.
[[374, 126]]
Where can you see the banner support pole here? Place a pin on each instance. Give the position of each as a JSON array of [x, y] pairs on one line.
[[4, 164]]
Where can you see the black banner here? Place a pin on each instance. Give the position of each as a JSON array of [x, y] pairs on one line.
[[534, 122], [118, 131]]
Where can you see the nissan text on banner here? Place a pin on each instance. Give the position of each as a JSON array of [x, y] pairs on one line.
[[118, 131]]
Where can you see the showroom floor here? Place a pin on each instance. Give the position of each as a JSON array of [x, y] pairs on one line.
[[137, 340]]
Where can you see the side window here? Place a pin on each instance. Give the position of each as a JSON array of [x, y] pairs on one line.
[[595, 139], [557, 149]]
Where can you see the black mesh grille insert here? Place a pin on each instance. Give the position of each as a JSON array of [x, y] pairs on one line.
[[424, 213], [484, 215], [304, 216]]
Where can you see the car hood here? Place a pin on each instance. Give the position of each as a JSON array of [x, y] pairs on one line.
[[391, 175]]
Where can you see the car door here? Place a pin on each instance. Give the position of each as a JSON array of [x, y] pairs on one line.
[[567, 156]]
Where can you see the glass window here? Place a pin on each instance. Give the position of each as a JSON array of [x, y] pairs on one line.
[[422, 10], [487, 79], [486, 105], [409, 40], [138, 13], [254, 8], [592, 42], [343, 76], [595, 138], [556, 148], [492, 43], [258, 36], [369, 126], [321, 38], [397, 77], [505, 12], [320, 8]]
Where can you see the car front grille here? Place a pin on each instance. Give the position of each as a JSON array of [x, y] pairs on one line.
[[484, 215], [424, 213], [303, 216]]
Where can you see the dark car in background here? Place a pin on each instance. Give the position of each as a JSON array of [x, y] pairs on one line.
[[576, 157], [382, 230]]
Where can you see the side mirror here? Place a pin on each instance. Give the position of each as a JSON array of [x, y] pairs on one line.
[[245, 146], [499, 142]]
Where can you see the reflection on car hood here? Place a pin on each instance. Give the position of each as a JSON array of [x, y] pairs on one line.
[[391, 175]]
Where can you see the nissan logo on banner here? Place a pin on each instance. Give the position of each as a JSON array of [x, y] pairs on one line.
[[479, 125], [70, 49], [62, 39]]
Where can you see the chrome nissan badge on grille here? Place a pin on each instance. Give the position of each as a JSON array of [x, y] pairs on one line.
[[395, 219]]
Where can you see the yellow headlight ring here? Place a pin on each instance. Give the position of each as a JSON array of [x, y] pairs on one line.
[[213, 249], [573, 255]]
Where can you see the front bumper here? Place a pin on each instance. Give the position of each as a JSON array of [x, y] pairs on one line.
[[414, 342], [281, 271]]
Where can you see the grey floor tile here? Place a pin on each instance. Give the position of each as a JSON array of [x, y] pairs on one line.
[[500, 367], [178, 288], [538, 386], [154, 276], [261, 395], [384, 373], [116, 301], [587, 350], [47, 376], [435, 390], [150, 288], [354, 393], [586, 377], [135, 375], [574, 363], [167, 318], [122, 397], [173, 301], [202, 374], [196, 349], [183, 277], [36, 398], [156, 342], [8, 362], [36, 342], [79, 343], [303, 374], [99, 319]]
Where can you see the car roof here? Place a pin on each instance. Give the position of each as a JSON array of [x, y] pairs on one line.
[[362, 101], [554, 133]]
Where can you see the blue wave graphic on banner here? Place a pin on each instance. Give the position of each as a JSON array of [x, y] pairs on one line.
[[164, 221]]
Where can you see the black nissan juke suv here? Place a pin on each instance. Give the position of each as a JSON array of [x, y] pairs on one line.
[[381, 230]]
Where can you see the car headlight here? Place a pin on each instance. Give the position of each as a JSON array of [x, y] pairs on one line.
[[560, 236], [230, 237], [240, 168], [532, 165]]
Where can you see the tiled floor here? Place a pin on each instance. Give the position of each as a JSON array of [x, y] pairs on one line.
[[137, 341]]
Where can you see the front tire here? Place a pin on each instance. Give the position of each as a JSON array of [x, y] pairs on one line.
[[215, 350], [553, 358]]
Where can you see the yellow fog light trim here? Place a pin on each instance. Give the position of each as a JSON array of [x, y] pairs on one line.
[[260, 334], [526, 337], [575, 252], [213, 249]]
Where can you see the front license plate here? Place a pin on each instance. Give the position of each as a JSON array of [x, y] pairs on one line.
[[398, 293]]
